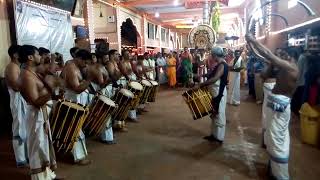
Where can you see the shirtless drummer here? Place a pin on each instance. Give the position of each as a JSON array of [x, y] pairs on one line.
[[75, 87], [127, 71], [278, 111], [101, 83]]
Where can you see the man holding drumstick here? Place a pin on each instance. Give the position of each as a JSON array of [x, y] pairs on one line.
[[217, 81], [278, 111], [76, 85]]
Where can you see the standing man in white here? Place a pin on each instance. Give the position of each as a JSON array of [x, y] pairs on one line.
[[18, 107], [217, 81], [235, 84]]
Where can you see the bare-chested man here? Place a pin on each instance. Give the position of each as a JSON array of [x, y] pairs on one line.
[[149, 66], [140, 69], [112, 66], [118, 81], [109, 91], [18, 107], [127, 71], [101, 83], [37, 94], [278, 112], [141, 72], [76, 85], [45, 62], [45, 55]]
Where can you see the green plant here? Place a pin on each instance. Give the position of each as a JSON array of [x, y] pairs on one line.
[[215, 19]]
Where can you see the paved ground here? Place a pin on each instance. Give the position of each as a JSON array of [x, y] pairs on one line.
[[168, 145]]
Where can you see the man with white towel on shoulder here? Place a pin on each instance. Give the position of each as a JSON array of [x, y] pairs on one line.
[[234, 89]]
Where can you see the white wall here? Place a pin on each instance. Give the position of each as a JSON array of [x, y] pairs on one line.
[[102, 28]]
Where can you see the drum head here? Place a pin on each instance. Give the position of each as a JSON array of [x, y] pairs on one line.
[[127, 93], [107, 100], [73, 105], [146, 83], [155, 83], [136, 85]]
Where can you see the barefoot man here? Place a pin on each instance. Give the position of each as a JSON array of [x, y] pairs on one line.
[[75, 87], [217, 81], [18, 107], [126, 70], [278, 112], [37, 94]]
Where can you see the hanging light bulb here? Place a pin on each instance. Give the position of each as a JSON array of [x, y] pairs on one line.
[[176, 2], [157, 14]]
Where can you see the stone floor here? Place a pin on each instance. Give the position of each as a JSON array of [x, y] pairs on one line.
[[167, 145]]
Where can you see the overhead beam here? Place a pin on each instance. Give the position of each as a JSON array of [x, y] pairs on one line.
[[197, 12], [145, 2], [153, 2]]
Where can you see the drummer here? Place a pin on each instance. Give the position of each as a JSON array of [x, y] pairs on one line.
[[36, 93], [101, 83], [217, 81], [75, 87], [118, 81], [127, 71], [141, 72], [99, 77]]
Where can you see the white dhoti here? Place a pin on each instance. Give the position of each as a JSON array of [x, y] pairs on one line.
[[124, 83], [48, 174], [18, 111], [218, 124], [277, 136], [235, 83], [40, 149], [267, 90], [107, 133], [79, 150], [235, 88], [132, 114]]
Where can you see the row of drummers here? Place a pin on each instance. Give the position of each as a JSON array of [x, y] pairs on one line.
[[109, 108], [115, 91]]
